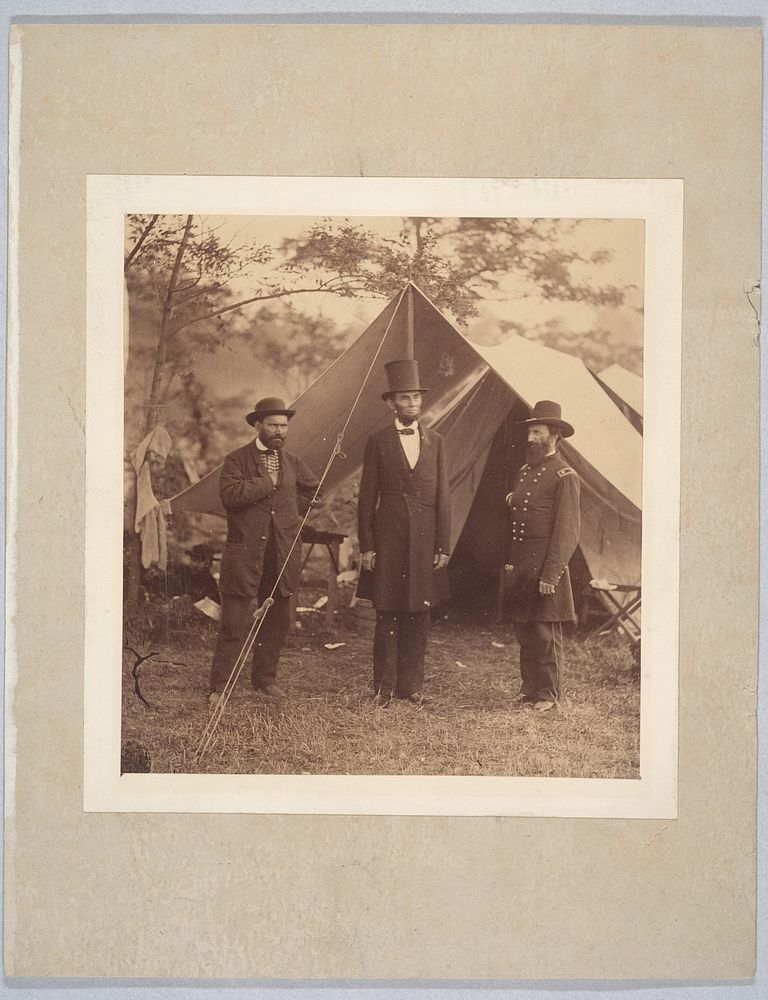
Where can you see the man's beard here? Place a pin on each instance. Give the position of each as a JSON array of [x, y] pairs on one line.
[[536, 452], [273, 443]]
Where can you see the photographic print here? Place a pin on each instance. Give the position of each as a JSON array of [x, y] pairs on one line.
[[382, 497], [493, 183]]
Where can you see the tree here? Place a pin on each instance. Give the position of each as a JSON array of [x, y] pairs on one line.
[[188, 271], [193, 274], [458, 263]]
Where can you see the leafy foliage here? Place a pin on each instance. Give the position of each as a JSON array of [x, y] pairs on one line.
[[456, 262], [193, 291]]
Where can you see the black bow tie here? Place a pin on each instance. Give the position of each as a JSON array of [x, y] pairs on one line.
[[406, 430], [270, 453]]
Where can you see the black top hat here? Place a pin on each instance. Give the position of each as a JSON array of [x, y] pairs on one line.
[[270, 406], [403, 376], [547, 412]]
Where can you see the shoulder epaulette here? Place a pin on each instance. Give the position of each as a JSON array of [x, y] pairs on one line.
[[565, 472]]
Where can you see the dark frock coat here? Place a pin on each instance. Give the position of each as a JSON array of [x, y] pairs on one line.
[[255, 506], [544, 515], [404, 517]]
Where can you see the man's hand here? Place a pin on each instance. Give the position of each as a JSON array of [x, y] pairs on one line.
[[369, 560], [546, 589], [441, 560]]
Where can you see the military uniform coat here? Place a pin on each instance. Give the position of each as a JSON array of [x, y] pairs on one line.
[[404, 517], [255, 507], [544, 515]]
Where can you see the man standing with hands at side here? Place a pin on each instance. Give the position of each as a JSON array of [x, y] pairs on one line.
[[404, 525], [265, 491], [544, 511]]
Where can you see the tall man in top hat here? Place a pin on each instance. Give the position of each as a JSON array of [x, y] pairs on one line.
[[265, 491], [404, 525], [544, 514]]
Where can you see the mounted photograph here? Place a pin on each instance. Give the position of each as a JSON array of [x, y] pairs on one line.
[[383, 502]]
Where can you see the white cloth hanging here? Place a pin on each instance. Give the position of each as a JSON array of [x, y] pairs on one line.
[[149, 521]]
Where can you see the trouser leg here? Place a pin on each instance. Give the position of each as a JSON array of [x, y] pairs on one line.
[[233, 627], [411, 648], [269, 643], [523, 631], [274, 627], [385, 642], [541, 657]]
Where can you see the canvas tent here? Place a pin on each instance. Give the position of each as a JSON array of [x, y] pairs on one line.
[[626, 390], [476, 397]]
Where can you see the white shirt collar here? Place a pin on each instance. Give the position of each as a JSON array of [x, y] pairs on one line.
[[260, 444]]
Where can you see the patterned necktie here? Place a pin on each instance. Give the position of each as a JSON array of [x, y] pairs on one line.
[[406, 430], [271, 464]]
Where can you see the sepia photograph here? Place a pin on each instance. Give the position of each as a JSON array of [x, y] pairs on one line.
[[382, 495], [365, 382]]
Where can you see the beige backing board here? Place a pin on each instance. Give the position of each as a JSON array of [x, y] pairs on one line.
[[463, 897]]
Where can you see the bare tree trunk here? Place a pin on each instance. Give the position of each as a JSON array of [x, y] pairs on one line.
[[131, 555], [417, 226], [157, 391], [156, 398], [133, 567]]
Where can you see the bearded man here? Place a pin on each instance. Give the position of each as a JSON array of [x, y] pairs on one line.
[[404, 529], [265, 491], [544, 514]]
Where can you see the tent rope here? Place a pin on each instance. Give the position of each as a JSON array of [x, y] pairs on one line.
[[261, 613]]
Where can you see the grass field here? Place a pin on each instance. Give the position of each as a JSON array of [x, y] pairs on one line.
[[471, 724]]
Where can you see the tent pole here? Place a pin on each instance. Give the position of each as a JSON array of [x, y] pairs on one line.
[[409, 324], [504, 525]]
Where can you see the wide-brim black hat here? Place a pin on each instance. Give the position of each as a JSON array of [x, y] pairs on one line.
[[270, 406], [402, 376], [547, 412]]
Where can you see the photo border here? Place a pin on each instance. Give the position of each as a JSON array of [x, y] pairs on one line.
[[660, 204]]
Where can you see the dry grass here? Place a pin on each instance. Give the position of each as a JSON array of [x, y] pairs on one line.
[[471, 725]]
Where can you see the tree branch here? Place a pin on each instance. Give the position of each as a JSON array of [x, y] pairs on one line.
[[201, 291], [145, 233], [186, 288], [245, 302]]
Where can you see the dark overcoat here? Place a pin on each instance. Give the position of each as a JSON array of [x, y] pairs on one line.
[[544, 530], [404, 517], [255, 507]]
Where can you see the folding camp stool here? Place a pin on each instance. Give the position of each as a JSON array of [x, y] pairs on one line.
[[332, 541], [623, 601]]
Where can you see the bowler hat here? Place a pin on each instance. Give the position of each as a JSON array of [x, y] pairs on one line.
[[402, 376], [547, 412], [270, 406]]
